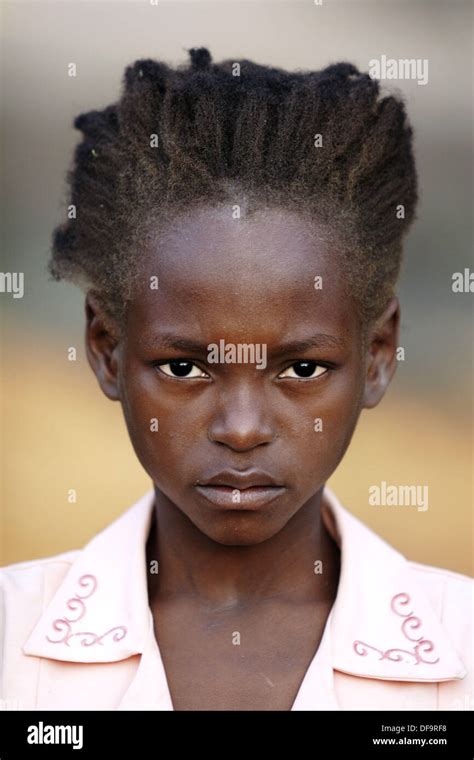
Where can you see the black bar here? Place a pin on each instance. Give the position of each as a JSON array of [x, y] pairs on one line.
[[320, 734]]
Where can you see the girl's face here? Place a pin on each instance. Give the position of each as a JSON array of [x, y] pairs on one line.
[[242, 368]]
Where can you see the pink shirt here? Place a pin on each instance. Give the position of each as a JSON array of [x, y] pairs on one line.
[[76, 630]]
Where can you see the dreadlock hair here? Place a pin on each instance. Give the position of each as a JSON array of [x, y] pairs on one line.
[[239, 132]]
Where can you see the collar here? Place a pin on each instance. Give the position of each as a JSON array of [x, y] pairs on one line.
[[382, 623]]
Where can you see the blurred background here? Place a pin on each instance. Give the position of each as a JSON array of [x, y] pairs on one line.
[[58, 431]]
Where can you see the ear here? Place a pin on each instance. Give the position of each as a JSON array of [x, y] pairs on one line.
[[102, 346], [382, 354]]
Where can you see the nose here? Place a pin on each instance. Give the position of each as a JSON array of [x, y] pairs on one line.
[[242, 420]]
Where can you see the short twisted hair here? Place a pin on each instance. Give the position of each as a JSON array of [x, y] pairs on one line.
[[200, 134]]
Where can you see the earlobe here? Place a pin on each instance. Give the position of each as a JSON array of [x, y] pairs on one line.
[[102, 347], [382, 354]]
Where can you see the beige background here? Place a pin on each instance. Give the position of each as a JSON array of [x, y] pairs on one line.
[[58, 431]]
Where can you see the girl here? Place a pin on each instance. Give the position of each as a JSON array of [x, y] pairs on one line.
[[237, 230]]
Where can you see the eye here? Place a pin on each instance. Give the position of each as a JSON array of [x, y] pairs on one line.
[[304, 370], [181, 369]]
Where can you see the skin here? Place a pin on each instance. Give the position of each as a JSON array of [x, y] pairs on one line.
[[222, 570]]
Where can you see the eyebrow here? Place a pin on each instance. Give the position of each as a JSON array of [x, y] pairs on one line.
[[319, 341]]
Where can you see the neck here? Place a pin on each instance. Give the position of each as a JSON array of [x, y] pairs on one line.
[[300, 563]]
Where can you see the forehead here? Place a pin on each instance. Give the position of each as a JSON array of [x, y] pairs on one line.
[[271, 269], [270, 239]]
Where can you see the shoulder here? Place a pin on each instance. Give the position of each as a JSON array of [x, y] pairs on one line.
[[452, 597], [17, 569], [25, 589], [445, 587], [446, 582], [34, 580]]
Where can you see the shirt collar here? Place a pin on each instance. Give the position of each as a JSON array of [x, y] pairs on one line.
[[382, 624], [99, 613]]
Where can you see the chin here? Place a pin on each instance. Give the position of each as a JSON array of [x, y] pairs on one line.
[[243, 530]]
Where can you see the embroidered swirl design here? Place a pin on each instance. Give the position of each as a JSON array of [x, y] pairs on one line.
[[77, 606], [409, 628]]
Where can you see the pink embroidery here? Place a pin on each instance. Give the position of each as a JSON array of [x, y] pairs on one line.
[[77, 605], [411, 622]]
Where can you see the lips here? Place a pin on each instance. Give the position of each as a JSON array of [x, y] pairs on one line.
[[240, 490], [241, 480]]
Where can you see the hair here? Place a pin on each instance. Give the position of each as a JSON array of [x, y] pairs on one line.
[[239, 133]]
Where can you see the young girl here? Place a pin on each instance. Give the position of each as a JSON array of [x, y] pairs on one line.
[[238, 232]]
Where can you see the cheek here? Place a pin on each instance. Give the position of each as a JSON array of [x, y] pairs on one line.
[[160, 428], [343, 412], [329, 422]]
